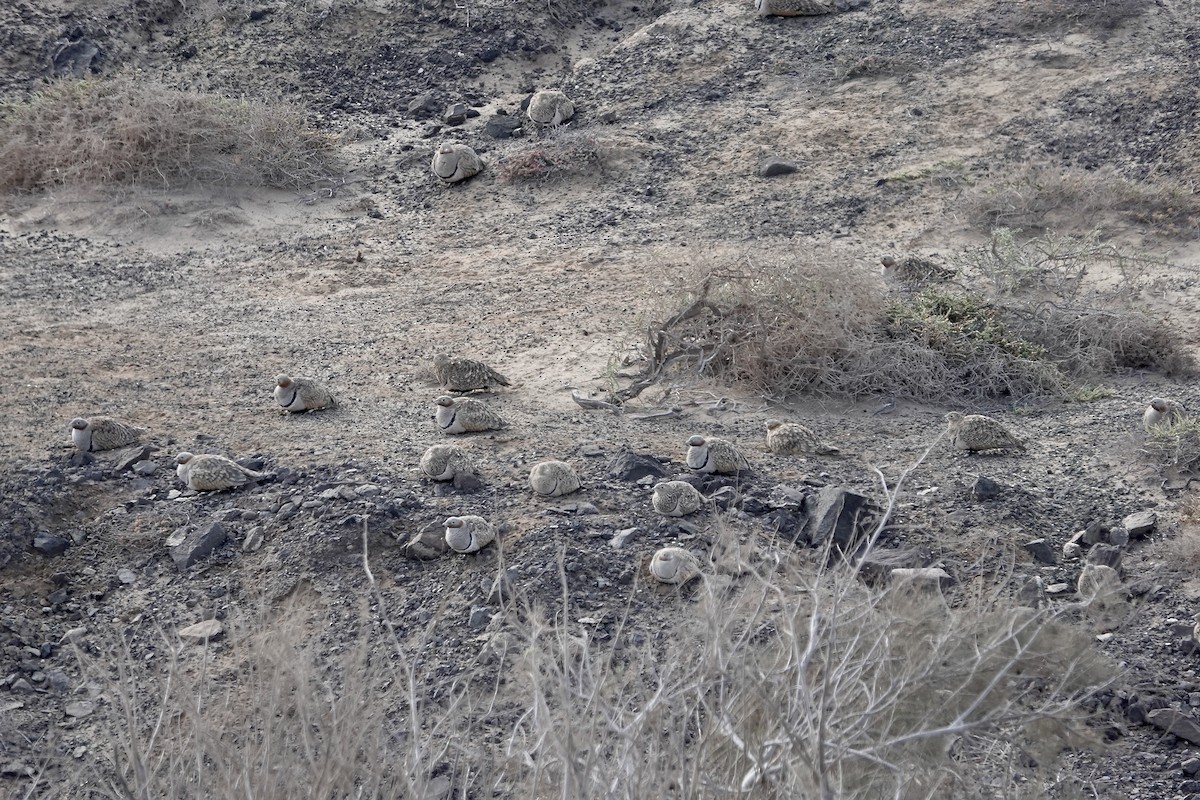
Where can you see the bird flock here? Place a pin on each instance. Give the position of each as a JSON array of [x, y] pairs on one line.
[[457, 415]]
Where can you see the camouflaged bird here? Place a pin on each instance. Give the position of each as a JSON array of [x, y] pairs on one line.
[[465, 375], [975, 432], [454, 162], [469, 534], [914, 271], [553, 479], [714, 455], [444, 462], [210, 473], [464, 415], [674, 565], [676, 499], [301, 395], [1162, 412], [792, 438], [103, 433], [794, 8], [550, 107]]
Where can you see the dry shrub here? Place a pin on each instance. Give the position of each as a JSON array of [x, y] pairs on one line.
[[1176, 447], [133, 130], [561, 154], [802, 684], [1039, 197]]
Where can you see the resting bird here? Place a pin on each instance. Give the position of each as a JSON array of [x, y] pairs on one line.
[[794, 8], [676, 499], [208, 473], [102, 433], [465, 375], [714, 455], [454, 162], [674, 565], [469, 534], [443, 462], [553, 478], [792, 438], [550, 107], [1161, 412], [975, 432], [298, 395], [464, 415]]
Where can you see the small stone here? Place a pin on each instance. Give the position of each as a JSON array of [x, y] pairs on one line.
[[591, 450], [1058, 588], [1072, 551], [1105, 554], [427, 544], [456, 114], [772, 167], [986, 489], [488, 54], [1175, 722], [79, 708], [630, 466], [623, 537], [1118, 537], [1191, 766], [202, 631], [145, 468], [50, 544], [254, 540], [929, 578], [467, 483], [1093, 534], [1032, 593], [132, 457], [198, 545], [423, 105], [57, 680], [501, 127], [126, 576], [1042, 551], [480, 617], [1140, 524]]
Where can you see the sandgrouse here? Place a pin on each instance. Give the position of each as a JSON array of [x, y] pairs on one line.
[[975, 432], [469, 534], [1161, 412], [676, 499], [553, 479], [454, 162], [464, 415], [465, 375], [674, 565], [792, 438], [209, 473], [444, 462], [714, 455], [102, 433], [550, 107], [299, 395]]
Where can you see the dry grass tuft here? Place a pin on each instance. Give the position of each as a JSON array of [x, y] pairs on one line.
[[132, 130], [561, 154], [1041, 197]]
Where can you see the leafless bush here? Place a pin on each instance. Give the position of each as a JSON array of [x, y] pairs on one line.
[[1040, 197], [133, 130], [560, 154]]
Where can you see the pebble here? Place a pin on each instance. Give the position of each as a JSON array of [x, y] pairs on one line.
[[79, 708], [126, 576], [145, 468], [202, 631], [623, 537], [771, 167]]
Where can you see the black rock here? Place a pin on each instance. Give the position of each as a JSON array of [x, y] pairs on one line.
[[1106, 554], [455, 114], [839, 517], [632, 467], [50, 544], [468, 484], [501, 127], [1042, 551], [57, 597], [198, 545], [755, 506], [422, 106], [772, 167], [489, 54], [76, 59], [985, 488]]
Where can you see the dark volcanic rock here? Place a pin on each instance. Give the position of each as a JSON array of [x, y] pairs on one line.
[[632, 467], [198, 545]]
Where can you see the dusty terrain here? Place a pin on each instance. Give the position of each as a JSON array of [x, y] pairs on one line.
[[174, 309]]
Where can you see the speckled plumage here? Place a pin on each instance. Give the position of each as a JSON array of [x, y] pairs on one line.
[[464, 415], [465, 375], [792, 438], [914, 271], [103, 433], [975, 432], [553, 478], [714, 455], [674, 565], [443, 462], [676, 499], [454, 162], [299, 395], [1162, 411], [550, 107], [469, 534], [211, 473], [794, 8]]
